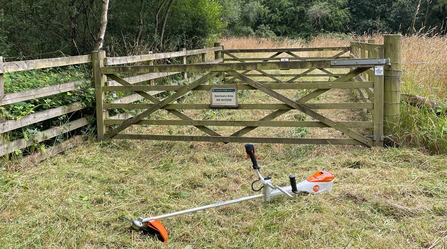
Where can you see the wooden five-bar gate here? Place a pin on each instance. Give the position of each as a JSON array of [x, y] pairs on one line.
[[268, 83]]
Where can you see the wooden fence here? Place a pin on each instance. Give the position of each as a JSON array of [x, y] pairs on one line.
[[96, 58], [99, 63]]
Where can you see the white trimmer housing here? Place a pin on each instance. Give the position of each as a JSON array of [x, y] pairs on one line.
[[319, 182]]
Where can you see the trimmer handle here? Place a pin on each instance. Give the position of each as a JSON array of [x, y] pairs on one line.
[[250, 149]]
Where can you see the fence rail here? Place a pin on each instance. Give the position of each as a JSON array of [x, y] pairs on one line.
[[7, 126]]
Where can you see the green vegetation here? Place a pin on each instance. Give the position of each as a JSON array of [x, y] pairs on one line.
[[28, 80], [58, 28], [382, 198], [67, 27]]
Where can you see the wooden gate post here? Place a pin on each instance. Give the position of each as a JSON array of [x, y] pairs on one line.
[[392, 88], [99, 80], [217, 54], [378, 102]]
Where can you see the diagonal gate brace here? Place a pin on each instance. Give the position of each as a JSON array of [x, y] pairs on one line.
[[303, 108], [182, 91], [303, 99], [156, 101]]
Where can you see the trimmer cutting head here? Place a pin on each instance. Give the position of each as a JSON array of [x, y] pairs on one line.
[[151, 227]]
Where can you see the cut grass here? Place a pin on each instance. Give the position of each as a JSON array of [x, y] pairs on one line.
[[393, 198]]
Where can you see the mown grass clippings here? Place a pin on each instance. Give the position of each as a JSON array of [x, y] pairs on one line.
[[390, 198]]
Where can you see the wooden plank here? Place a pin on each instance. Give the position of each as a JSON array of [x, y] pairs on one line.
[[157, 56], [274, 50], [2, 79], [52, 151], [242, 86], [144, 78], [305, 110], [159, 105], [218, 67], [40, 92], [120, 119], [136, 97], [295, 56], [39, 117], [297, 75], [9, 147], [99, 81], [338, 106], [233, 57], [174, 112], [378, 114], [184, 61], [367, 46], [273, 56], [18, 66], [339, 55], [334, 141], [245, 59]]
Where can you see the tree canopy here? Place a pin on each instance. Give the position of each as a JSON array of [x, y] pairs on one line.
[[40, 28]]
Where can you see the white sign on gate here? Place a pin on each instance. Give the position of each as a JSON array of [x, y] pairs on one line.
[[378, 70], [224, 97]]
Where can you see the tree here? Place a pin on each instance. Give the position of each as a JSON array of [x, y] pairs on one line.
[[103, 23]]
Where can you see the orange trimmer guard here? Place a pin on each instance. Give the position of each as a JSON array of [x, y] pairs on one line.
[[159, 230]]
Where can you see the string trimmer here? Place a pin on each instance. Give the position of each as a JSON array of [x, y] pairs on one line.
[[319, 182]]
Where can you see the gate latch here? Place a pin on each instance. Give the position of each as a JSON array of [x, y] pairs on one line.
[[361, 62]]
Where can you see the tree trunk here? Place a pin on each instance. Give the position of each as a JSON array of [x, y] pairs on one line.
[[419, 101], [102, 29], [164, 23]]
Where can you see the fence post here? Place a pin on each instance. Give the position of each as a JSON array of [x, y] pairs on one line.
[[184, 61], [99, 80], [378, 103], [2, 79], [392, 88], [219, 55], [371, 54], [204, 57], [2, 86]]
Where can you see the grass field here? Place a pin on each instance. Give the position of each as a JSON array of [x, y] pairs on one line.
[[381, 198]]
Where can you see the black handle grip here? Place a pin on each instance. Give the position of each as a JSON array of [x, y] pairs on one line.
[[250, 149], [293, 184]]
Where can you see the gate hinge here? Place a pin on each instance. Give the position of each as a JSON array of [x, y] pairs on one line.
[[361, 62], [373, 137]]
